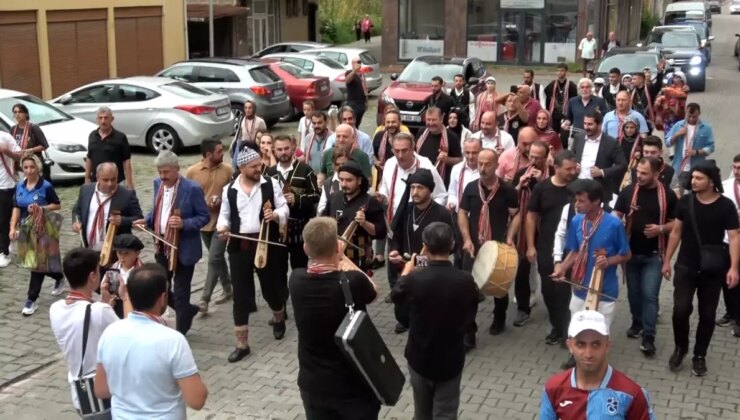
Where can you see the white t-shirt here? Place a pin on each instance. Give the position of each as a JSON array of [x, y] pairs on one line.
[[7, 180], [588, 48], [143, 361], [67, 322]]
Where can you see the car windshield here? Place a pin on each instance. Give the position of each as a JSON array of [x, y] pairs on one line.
[[422, 72], [185, 90], [681, 39], [628, 63], [328, 62], [40, 112], [677, 16], [294, 71]]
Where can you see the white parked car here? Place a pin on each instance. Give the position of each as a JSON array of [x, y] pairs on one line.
[[157, 112], [67, 135], [344, 56]]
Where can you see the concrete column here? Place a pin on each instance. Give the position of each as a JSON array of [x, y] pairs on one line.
[[456, 27], [42, 34]]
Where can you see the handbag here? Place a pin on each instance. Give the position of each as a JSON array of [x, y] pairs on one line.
[[90, 405], [362, 345], [714, 259]]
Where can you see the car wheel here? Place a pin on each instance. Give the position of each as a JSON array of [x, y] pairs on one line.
[[291, 116], [238, 111], [162, 137], [271, 123]]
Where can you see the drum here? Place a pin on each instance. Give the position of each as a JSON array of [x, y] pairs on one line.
[[495, 268]]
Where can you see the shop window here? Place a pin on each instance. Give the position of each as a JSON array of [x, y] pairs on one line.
[[561, 31], [421, 28], [483, 29]]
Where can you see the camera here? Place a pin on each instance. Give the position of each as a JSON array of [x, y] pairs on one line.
[[114, 280]]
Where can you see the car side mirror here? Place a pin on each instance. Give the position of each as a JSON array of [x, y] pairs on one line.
[[66, 99], [394, 76], [473, 81]]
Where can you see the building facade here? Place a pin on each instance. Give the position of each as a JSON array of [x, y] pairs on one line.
[[49, 47], [520, 32]]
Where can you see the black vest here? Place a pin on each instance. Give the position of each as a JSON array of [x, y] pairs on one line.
[[461, 101], [268, 195]]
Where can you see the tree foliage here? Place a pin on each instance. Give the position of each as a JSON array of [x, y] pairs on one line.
[[337, 18]]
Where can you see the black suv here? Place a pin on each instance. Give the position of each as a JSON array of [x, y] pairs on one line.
[[683, 49]]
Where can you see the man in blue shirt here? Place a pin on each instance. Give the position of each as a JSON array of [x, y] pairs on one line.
[[590, 231], [579, 106], [693, 140], [613, 120]]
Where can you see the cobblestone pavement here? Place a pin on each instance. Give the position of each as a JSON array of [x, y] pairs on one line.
[[503, 377]]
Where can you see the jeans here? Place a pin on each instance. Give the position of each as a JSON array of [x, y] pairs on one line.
[[556, 295], [37, 280], [686, 282], [332, 408], [643, 286], [434, 400], [218, 271], [178, 297], [6, 210]]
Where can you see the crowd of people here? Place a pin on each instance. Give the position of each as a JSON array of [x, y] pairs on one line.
[[568, 178]]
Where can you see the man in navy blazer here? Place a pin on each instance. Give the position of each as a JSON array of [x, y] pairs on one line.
[[113, 198], [172, 191]]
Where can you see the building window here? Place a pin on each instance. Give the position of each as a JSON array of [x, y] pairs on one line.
[[483, 29], [561, 31], [421, 28]]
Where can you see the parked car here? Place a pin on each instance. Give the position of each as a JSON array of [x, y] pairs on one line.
[[318, 66], [715, 6], [630, 60], [241, 80], [687, 10], [735, 7], [410, 89], [156, 112], [344, 56], [302, 86], [737, 49], [682, 48], [67, 135], [288, 47]]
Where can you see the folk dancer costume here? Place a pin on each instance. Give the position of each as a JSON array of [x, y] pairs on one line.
[[460, 176], [186, 196], [557, 95], [344, 209], [242, 213], [407, 227], [300, 180], [483, 103], [125, 242]]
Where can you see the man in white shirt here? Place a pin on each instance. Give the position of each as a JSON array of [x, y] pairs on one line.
[[145, 367], [464, 172], [248, 203], [361, 139], [490, 135], [9, 153], [587, 47], [731, 189], [67, 316]]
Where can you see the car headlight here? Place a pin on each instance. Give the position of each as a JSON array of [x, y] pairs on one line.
[[69, 148], [695, 61], [387, 98]]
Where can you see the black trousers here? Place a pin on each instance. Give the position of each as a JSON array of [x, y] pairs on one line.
[[555, 294], [6, 210], [686, 282], [500, 305], [400, 310], [178, 296], [732, 301], [359, 108], [331, 408], [273, 280], [522, 289], [37, 280]]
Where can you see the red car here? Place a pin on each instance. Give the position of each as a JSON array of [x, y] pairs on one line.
[[301, 86]]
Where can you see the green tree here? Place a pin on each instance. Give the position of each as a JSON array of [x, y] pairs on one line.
[[337, 18]]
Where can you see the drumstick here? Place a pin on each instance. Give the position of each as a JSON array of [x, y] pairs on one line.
[[341, 238], [155, 236]]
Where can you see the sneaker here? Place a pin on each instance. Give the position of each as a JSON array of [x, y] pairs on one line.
[[469, 341], [570, 363], [203, 307], [29, 308], [724, 321], [635, 330], [699, 366], [736, 330], [4, 261], [676, 360], [553, 338], [58, 288], [648, 346], [497, 327], [400, 328], [521, 319]]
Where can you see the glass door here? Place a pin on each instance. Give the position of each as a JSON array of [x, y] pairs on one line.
[[521, 35]]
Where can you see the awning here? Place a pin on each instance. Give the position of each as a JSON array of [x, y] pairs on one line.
[[199, 12]]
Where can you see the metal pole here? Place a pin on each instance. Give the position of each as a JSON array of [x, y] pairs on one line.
[[210, 29]]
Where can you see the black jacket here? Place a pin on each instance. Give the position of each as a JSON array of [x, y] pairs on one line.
[[609, 158], [123, 200], [443, 102]]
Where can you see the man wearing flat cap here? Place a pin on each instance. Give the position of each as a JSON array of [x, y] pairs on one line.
[[354, 204], [128, 249]]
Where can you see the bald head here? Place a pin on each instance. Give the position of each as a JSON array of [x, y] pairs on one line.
[[623, 101], [488, 123], [106, 175], [527, 136], [344, 135]]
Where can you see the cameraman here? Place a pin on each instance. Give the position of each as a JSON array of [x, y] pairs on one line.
[[146, 368]]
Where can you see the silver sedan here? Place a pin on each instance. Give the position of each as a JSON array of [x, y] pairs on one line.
[[344, 56], [156, 112], [318, 66]]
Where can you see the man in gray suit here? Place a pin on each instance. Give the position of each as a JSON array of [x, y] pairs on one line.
[[599, 156]]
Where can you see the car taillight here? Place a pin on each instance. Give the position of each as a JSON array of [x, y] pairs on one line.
[[341, 78], [311, 90], [260, 90], [365, 70], [196, 109]]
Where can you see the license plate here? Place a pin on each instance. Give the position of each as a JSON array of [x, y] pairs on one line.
[[277, 92], [223, 111], [411, 118]]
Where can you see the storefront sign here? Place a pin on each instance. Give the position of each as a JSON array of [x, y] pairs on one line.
[[485, 50], [408, 49], [522, 4], [557, 52]]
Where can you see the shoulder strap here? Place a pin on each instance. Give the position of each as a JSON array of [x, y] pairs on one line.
[[348, 302], [85, 330], [692, 216]]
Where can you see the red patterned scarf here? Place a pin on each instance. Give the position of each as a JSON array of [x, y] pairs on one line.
[[73, 297], [554, 98], [484, 225], [170, 233], [383, 145], [579, 267], [157, 319], [310, 144], [443, 147], [651, 114], [525, 193], [24, 138], [483, 104], [392, 190], [98, 224], [319, 269], [508, 120], [688, 142]]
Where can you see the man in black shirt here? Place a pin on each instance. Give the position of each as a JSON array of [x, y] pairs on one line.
[[357, 94], [489, 211], [330, 386], [463, 100], [106, 144], [543, 215], [514, 118], [652, 147], [557, 95], [439, 144], [442, 302], [717, 215], [440, 99], [407, 227], [354, 205], [649, 209], [644, 94], [383, 140]]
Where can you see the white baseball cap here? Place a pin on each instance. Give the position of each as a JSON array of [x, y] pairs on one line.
[[599, 81], [490, 79], [587, 320]]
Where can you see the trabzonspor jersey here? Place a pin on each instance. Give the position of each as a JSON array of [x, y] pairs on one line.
[[618, 397]]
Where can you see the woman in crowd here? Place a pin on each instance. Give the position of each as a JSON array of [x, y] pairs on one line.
[[268, 158], [29, 136], [453, 123], [546, 133]]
